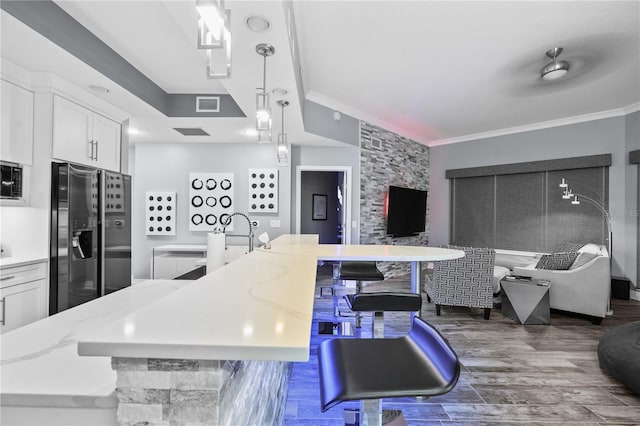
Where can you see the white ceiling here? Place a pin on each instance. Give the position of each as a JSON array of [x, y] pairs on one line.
[[431, 71]]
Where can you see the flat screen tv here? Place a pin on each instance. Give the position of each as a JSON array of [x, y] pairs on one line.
[[406, 211]]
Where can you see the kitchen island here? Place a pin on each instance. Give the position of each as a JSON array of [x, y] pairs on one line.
[[214, 351], [43, 380]]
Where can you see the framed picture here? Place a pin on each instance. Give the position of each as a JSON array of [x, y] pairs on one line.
[[319, 207]]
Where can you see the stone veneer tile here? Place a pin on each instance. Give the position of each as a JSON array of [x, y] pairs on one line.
[[187, 380], [144, 379], [123, 364], [208, 364], [191, 414], [400, 162], [172, 364], [139, 413], [193, 396], [143, 396]]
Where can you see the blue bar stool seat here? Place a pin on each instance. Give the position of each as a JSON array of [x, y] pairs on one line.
[[418, 364]]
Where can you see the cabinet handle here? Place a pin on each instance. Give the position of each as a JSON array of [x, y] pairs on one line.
[[7, 278], [96, 142], [4, 307], [90, 149]]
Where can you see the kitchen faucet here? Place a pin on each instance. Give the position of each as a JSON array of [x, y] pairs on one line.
[[250, 236]]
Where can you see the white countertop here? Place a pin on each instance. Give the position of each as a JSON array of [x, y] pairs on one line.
[[40, 365], [258, 307], [12, 261]]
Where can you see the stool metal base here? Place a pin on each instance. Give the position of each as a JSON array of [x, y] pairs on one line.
[[354, 417], [335, 328]]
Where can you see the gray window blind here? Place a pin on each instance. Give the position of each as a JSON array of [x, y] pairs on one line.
[[526, 211]]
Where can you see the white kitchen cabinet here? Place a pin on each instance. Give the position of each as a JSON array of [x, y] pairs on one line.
[[22, 295], [16, 144], [85, 137]]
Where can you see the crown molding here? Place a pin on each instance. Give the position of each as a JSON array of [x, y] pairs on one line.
[[618, 112], [329, 103]]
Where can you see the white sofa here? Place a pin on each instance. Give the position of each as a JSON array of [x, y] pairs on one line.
[[583, 289]]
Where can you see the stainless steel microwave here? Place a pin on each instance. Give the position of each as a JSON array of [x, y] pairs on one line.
[[11, 187]]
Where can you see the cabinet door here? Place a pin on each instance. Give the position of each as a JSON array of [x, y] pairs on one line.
[[20, 305], [16, 143], [106, 139], [72, 132]]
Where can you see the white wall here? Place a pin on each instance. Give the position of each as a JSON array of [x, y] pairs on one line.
[[590, 138], [166, 167]]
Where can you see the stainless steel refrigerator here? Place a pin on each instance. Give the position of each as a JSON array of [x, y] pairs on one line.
[[90, 234]]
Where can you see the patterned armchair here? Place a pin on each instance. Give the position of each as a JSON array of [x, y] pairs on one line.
[[467, 281]]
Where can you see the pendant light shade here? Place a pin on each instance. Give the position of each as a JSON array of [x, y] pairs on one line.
[[263, 108], [214, 36], [283, 144]]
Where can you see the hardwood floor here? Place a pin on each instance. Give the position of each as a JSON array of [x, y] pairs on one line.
[[511, 374]]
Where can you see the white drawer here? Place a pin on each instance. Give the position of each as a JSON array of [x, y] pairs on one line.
[[22, 274]]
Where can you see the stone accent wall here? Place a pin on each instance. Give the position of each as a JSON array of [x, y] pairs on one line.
[[200, 392], [399, 162]]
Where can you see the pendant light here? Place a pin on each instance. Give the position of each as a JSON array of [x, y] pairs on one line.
[[214, 36], [283, 144], [263, 109]]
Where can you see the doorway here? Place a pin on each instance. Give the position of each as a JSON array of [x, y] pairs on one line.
[[323, 203]]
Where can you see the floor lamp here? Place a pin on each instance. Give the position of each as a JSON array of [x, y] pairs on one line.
[[568, 194]]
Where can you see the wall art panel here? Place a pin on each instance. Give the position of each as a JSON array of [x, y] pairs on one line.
[[263, 191], [210, 201], [160, 216]]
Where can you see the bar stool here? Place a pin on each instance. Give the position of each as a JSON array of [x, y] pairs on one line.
[[418, 364], [359, 271], [380, 302]]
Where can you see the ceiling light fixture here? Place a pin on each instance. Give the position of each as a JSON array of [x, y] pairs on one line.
[[263, 108], [214, 35], [279, 91], [283, 144], [257, 23], [554, 69]]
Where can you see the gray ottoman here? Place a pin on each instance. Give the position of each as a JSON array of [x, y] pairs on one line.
[[619, 354]]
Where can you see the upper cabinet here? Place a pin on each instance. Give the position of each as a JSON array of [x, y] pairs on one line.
[[16, 144], [85, 137]]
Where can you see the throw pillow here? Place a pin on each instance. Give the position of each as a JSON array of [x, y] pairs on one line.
[[590, 248], [582, 259], [568, 247], [556, 261]]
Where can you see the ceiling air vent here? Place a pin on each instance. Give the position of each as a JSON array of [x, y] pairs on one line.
[[191, 131], [207, 103]]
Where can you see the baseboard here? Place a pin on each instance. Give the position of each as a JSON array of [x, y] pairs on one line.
[[634, 294]]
